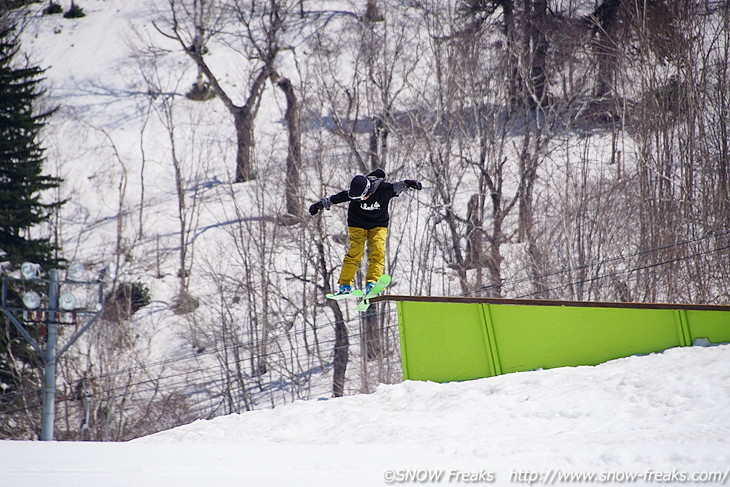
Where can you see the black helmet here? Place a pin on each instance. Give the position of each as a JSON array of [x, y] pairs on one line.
[[359, 187]]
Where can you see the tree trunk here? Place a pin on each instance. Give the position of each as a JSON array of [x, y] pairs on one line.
[[514, 80], [342, 338], [474, 235], [245, 170], [294, 152], [373, 334], [378, 147], [537, 54], [342, 352], [604, 48], [372, 13]]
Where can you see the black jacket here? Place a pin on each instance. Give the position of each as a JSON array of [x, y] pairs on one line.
[[372, 212]]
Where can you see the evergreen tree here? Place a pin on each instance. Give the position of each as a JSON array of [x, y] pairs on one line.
[[21, 160], [21, 209]]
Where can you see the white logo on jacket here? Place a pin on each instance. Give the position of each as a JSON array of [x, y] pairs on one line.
[[373, 207]]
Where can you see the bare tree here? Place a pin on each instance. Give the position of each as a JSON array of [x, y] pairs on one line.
[[260, 43], [187, 208]]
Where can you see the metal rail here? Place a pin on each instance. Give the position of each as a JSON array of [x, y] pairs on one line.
[[549, 302]]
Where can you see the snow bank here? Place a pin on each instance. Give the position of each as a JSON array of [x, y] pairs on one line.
[[662, 416]]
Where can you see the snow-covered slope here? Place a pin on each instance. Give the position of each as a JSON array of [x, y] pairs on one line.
[[642, 417]]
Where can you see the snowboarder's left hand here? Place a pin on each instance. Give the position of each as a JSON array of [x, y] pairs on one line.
[[410, 183]]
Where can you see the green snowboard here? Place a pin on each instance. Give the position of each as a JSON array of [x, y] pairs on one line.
[[382, 283]]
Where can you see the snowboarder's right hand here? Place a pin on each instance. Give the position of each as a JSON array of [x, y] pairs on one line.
[[316, 208]]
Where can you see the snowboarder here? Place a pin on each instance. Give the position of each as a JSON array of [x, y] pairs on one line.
[[367, 221]]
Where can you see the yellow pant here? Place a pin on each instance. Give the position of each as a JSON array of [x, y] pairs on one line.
[[376, 254]]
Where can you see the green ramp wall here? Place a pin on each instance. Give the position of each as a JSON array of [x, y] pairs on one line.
[[453, 339]]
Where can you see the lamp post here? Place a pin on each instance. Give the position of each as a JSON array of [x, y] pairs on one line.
[[50, 316]]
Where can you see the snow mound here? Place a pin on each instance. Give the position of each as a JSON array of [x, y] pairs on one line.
[[642, 417], [664, 411]]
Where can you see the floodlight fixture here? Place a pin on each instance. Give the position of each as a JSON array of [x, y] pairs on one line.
[[32, 300], [111, 271], [75, 272], [29, 270], [67, 302]]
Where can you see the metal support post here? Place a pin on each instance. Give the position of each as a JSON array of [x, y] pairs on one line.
[[49, 371], [50, 353]]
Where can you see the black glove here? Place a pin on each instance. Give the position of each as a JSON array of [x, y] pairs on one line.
[[316, 208], [410, 183]]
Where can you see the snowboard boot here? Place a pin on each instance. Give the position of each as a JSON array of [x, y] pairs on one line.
[[344, 289], [369, 286]]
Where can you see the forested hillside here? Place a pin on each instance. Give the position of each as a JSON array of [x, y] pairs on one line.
[[573, 149]]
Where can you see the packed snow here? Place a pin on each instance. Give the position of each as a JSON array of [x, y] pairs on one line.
[[644, 420]]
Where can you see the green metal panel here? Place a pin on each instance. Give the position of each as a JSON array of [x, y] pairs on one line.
[[450, 340], [712, 325], [444, 343], [532, 337]]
